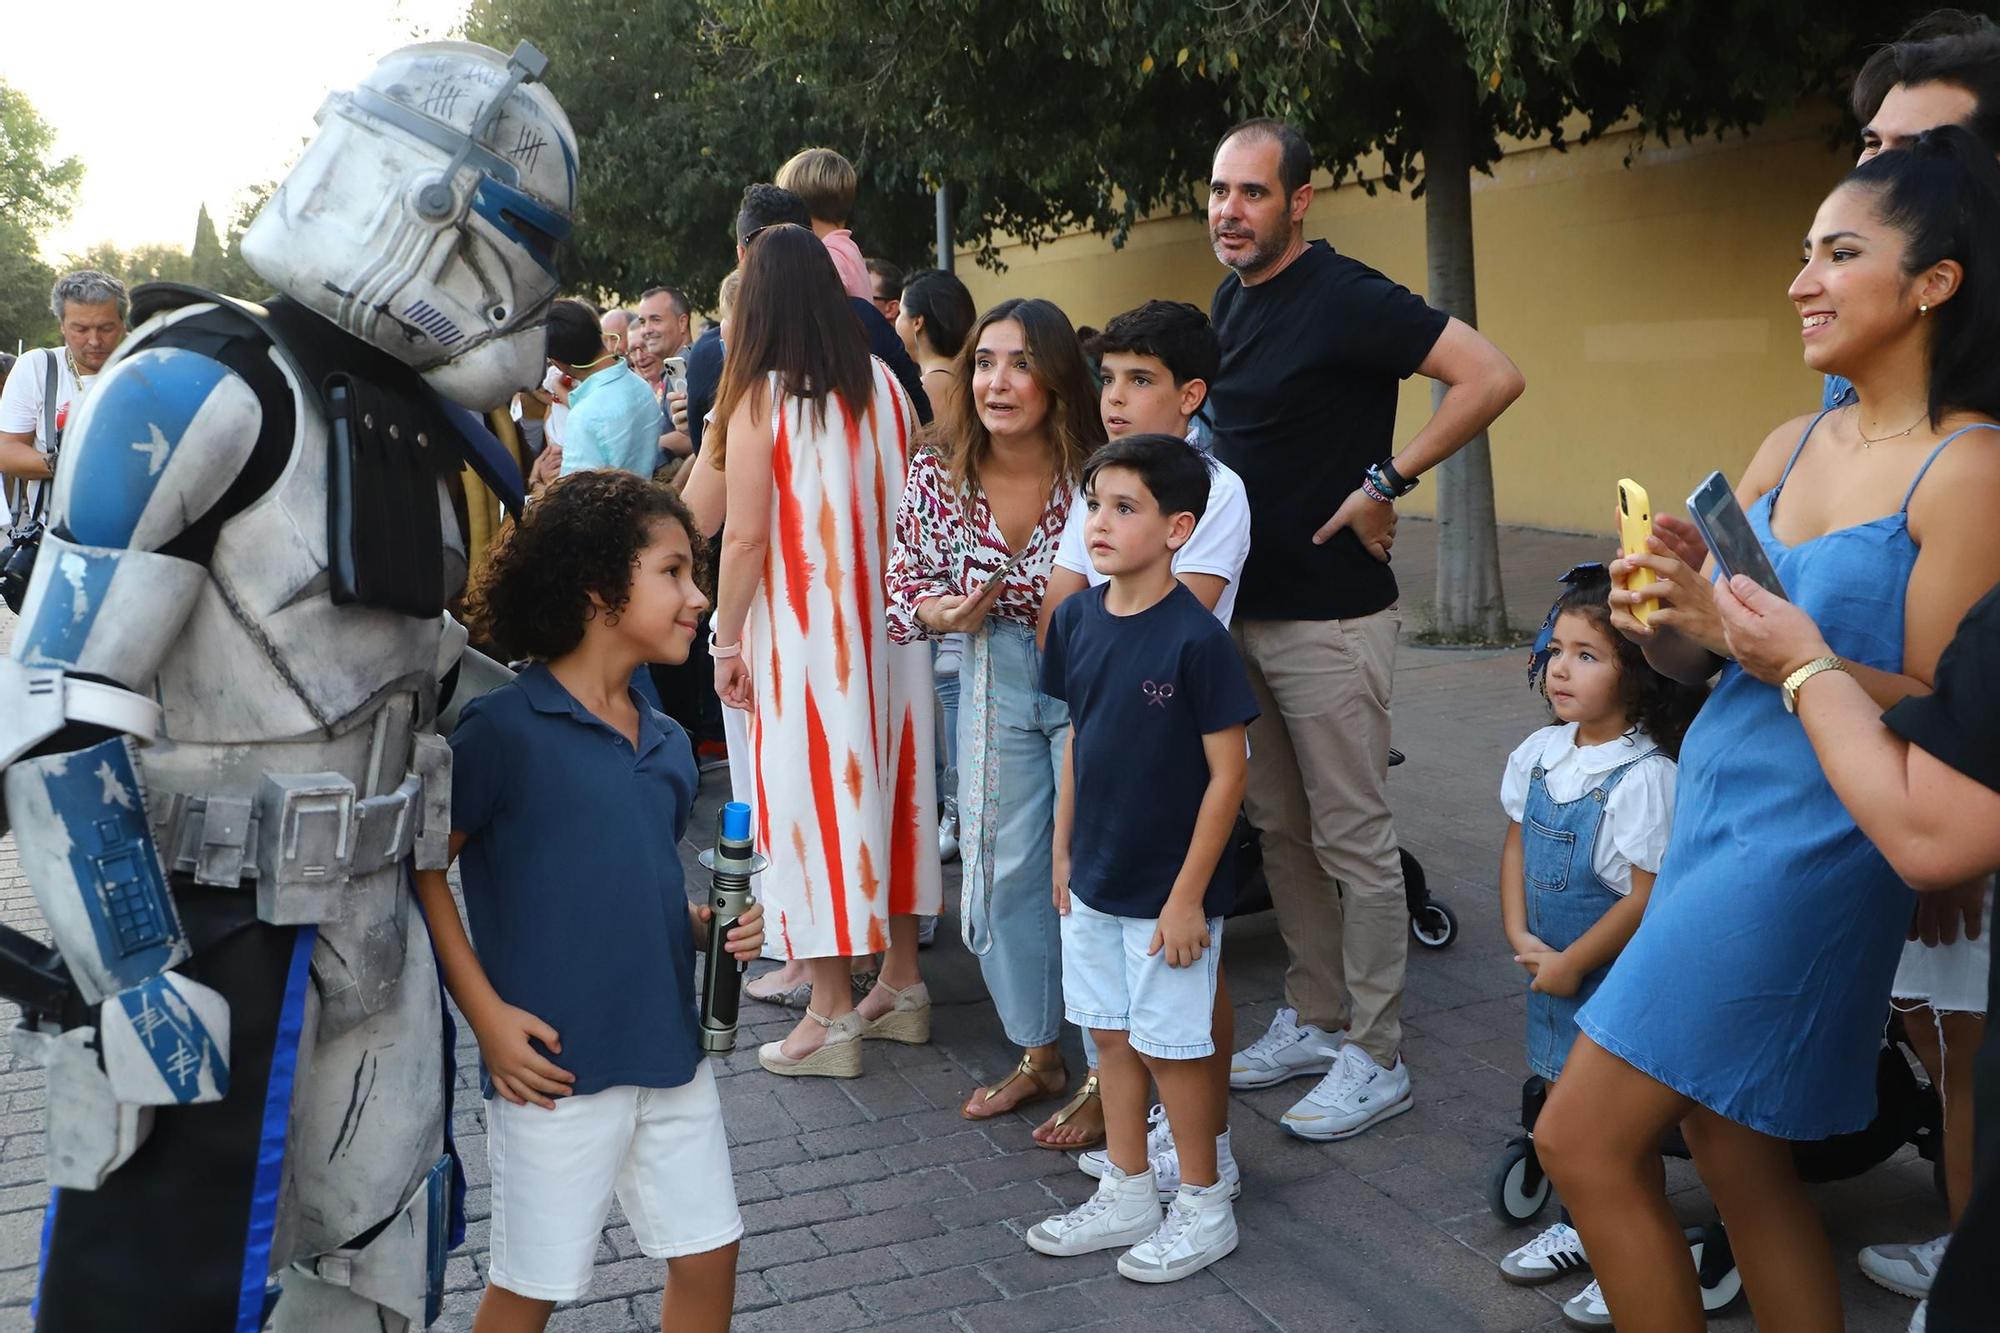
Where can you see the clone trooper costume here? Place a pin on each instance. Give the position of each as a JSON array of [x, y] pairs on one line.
[[218, 725]]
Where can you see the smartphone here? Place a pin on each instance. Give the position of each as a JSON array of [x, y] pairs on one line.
[[1727, 531], [1635, 524], [1013, 563], [677, 374]]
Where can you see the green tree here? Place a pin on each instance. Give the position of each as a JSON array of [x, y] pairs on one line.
[[675, 117], [205, 259], [36, 191], [145, 263], [25, 280]]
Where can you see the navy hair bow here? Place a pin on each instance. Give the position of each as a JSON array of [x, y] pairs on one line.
[[1591, 571]]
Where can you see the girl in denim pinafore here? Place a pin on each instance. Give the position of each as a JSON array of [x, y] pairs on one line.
[[1592, 803], [1566, 897]]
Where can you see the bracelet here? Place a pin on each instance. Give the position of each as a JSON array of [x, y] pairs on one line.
[[1374, 492], [1390, 482], [724, 650]]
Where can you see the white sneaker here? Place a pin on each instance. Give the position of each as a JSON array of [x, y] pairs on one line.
[[1199, 1228], [1354, 1095], [1124, 1211], [948, 838], [1555, 1253], [1587, 1309], [1287, 1049], [1906, 1269], [1920, 1318], [1159, 1139], [1166, 1160], [926, 931]]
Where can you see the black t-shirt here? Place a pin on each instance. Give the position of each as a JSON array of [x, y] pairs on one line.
[[1959, 723], [1959, 720], [1142, 692], [1305, 402]]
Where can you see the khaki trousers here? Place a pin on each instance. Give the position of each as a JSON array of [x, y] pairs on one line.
[[1319, 763]]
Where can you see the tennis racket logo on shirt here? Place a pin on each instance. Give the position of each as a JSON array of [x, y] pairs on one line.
[[1157, 693]]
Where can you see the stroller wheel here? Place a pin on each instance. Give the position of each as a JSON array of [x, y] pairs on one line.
[[1434, 926], [1517, 1189], [1715, 1268]]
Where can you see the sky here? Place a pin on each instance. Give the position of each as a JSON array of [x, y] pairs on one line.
[[197, 99]]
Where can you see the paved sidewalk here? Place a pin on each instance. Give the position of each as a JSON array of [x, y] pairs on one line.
[[872, 1204]]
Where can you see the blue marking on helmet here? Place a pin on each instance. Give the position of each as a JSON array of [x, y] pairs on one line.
[[511, 210], [74, 584], [134, 420]]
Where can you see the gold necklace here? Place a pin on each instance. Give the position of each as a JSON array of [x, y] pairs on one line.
[[1867, 441]]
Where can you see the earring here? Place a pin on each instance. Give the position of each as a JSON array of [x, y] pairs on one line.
[[1923, 310]]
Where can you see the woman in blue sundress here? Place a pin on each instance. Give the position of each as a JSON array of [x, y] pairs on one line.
[[1748, 1008]]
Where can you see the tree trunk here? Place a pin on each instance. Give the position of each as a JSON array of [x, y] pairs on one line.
[[1469, 599]]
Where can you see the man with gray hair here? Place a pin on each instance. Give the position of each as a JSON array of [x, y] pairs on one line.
[[91, 308]]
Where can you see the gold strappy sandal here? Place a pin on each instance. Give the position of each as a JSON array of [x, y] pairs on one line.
[[1028, 1070], [1088, 1093]]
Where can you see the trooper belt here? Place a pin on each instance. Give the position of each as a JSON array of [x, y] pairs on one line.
[[309, 830]]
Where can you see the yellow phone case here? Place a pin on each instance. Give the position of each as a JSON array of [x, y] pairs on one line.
[[1635, 524]]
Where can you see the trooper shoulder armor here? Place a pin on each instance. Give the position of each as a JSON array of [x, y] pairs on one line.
[[157, 443]]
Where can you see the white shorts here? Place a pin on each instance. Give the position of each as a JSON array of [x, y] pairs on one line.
[[662, 1151], [1110, 983], [1950, 978]]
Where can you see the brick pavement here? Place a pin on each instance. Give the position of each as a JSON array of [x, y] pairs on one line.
[[872, 1204]]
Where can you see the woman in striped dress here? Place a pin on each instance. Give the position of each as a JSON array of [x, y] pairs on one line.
[[812, 436]]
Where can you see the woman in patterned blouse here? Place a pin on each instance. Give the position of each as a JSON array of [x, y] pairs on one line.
[[976, 535]]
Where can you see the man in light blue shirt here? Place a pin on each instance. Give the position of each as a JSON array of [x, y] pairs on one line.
[[614, 419]]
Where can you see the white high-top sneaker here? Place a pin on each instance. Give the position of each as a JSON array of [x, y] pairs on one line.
[[1199, 1228], [1124, 1211], [1165, 1159]]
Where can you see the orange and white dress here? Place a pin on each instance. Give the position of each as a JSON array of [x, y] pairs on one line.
[[841, 780]]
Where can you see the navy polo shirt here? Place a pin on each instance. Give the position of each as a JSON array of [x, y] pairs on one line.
[[1142, 691], [572, 877]]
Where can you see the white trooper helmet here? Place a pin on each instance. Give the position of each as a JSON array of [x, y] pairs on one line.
[[424, 216]]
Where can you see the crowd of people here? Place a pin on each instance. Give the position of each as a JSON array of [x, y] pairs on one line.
[[1063, 603]]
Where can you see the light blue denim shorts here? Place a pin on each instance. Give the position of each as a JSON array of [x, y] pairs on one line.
[[1110, 983]]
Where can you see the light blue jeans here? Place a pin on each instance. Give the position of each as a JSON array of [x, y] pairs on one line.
[[1023, 969], [947, 748]]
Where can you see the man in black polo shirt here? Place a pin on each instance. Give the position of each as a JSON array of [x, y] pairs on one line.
[[1314, 346]]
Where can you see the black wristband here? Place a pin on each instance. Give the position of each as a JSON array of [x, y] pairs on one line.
[[1399, 485]]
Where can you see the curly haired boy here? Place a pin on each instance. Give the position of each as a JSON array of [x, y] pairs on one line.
[[570, 796]]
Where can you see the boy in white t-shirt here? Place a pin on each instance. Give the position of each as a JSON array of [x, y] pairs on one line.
[[1155, 364]]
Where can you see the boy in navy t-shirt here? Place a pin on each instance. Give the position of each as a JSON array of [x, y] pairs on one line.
[[1152, 778], [569, 797]]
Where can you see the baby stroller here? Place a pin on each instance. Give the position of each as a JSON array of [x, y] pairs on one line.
[[1431, 922], [1907, 1110]]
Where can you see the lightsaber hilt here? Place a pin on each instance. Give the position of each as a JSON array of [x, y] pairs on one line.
[[731, 863]]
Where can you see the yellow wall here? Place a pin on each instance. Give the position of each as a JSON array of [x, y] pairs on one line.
[[1646, 304]]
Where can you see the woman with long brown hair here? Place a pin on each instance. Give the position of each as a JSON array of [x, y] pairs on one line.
[[812, 438], [976, 536]]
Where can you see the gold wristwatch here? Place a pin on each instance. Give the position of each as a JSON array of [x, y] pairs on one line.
[[1798, 678]]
